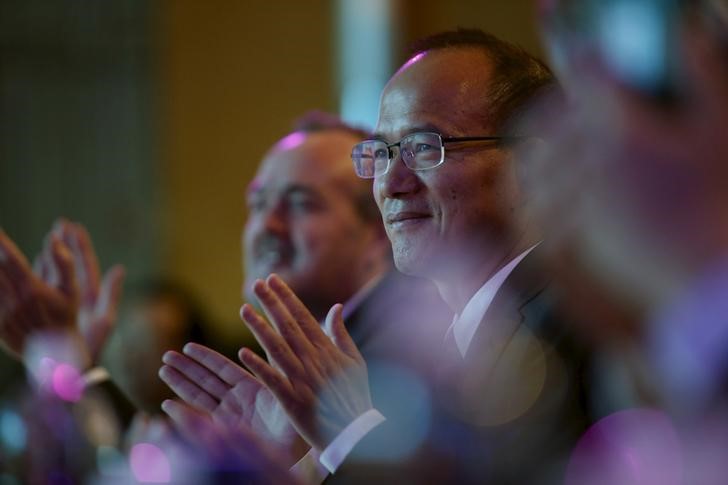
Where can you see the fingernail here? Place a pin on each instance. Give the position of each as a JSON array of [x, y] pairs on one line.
[[187, 348], [166, 404]]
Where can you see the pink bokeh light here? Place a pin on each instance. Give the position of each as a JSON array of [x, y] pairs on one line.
[[631, 447], [67, 382], [291, 141], [150, 464]]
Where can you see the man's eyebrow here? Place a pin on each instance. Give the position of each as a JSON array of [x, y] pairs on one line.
[[253, 188], [301, 189], [425, 127]]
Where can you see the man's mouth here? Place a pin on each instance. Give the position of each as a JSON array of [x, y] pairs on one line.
[[406, 217], [272, 254]]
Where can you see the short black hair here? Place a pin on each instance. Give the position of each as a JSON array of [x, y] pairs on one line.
[[319, 121], [518, 76], [315, 121]]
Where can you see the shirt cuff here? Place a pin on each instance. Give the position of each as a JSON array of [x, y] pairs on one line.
[[94, 376], [309, 470], [337, 451]]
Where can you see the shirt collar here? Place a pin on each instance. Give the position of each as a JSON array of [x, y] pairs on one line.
[[467, 322], [356, 300]]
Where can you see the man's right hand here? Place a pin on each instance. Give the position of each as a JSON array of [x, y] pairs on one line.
[[321, 382], [214, 384]]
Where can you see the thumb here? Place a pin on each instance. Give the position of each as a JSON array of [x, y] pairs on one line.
[[63, 261], [105, 313], [335, 322]]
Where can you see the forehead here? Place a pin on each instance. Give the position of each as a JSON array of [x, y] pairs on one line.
[[443, 90], [308, 159]]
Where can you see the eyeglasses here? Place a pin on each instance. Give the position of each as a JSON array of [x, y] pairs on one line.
[[419, 151]]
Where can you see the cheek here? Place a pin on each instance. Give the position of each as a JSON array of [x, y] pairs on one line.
[[248, 235], [377, 192]]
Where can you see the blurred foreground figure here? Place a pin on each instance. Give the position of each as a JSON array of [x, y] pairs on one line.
[[55, 318], [67, 428], [314, 223], [634, 181]]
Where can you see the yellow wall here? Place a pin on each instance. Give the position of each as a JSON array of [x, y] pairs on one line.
[[233, 76]]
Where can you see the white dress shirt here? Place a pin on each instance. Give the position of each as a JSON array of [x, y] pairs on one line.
[[314, 466], [466, 324]]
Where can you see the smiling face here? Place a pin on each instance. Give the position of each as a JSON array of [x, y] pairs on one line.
[[458, 218], [303, 222]]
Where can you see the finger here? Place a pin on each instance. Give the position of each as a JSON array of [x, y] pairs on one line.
[[8, 293], [194, 372], [87, 262], [276, 312], [275, 347], [268, 376], [13, 262], [63, 260], [19, 318], [306, 322], [48, 269], [224, 368], [38, 266], [193, 425], [341, 337], [190, 392], [283, 321], [107, 304], [10, 335]]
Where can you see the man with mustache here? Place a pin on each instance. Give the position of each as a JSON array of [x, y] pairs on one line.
[[313, 222]]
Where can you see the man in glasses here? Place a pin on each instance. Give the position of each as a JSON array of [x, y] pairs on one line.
[[506, 404]]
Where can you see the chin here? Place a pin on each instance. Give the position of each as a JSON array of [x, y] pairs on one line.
[[410, 263]]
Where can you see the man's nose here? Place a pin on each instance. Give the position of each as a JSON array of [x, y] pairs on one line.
[[399, 180], [275, 219]]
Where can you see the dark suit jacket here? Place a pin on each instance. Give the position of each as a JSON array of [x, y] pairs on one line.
[[398, 323], [509, 413]]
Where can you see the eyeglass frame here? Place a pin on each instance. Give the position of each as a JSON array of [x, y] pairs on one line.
[[443, 141]]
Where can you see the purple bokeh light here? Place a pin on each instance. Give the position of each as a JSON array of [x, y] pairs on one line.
[[67, 383], [631, 447], [149, 464]]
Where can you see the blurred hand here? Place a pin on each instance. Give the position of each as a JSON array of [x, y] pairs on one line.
[[633, 192], [215, 385], [100, 297], [230, 451], [63, 297], [321, 383], [33, 307]]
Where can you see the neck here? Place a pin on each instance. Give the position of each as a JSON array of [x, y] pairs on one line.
[[458, 286]]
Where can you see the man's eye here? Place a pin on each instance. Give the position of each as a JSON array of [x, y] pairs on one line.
[[424, 147], [381, 153], [300, 203], [256, 205]]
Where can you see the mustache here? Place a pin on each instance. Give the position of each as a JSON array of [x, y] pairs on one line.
[[268, 244]]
